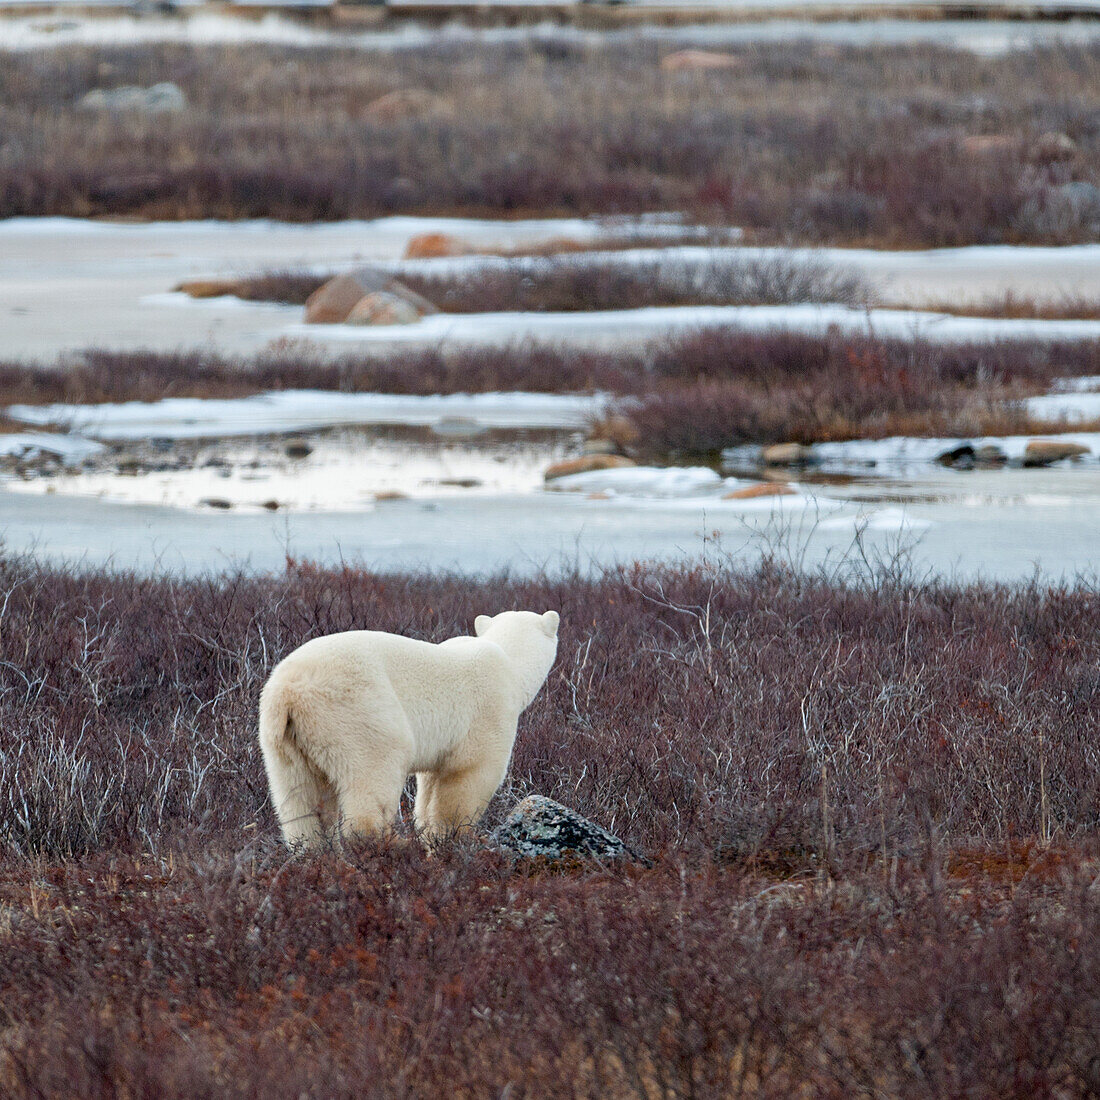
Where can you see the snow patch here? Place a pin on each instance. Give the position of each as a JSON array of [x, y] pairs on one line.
[[295, 410], [71, 449]]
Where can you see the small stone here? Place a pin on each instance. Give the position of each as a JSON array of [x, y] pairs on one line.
[[764, 489], [990, 455], [785, 454], [1043, 452], [159, 99], [209, 288], [430, 246], [1054, 145], [687, 60], [540, 826], [391, 494], [461, 482], [586, 464], [217, 502], [958, 458], [270, 505], [298, 448]]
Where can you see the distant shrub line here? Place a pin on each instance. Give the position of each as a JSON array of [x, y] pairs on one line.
[[578, 283], [908, 145]]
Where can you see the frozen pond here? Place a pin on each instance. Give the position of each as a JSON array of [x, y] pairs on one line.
[[1002, 524], [67, 284]]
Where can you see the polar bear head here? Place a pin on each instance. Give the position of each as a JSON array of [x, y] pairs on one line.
[[529, 640]]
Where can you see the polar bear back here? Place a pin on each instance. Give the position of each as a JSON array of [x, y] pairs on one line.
[[441, 689]]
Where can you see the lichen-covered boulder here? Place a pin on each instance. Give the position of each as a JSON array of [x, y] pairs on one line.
[[540, 826]]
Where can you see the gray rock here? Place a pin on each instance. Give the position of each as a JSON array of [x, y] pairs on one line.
[[539, 826], [334, 301], [786, 454], [958, 458], [990, 455], [1044, 452], [159, 99], [383, 308]]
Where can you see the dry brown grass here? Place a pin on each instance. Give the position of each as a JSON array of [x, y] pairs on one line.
[[796, 142], [872, 809]]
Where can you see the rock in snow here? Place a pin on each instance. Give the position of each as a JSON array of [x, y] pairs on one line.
[[1042, 452], [383, 308], [159, 99], [334, 301], [540, 826]]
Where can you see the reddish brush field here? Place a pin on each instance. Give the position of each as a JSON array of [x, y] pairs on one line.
[[871, 805], [688, 396], [906, 146]]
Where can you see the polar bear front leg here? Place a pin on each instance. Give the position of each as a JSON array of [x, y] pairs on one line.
[[447, 803]]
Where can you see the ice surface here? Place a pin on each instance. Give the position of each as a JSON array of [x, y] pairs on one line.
[[293, 410]]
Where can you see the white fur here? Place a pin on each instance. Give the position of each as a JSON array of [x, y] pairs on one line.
[[345, 719]]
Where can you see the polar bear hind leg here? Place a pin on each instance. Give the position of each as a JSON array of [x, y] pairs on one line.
[[369, 795], [450, 802]]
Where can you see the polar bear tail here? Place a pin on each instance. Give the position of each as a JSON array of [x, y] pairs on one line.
[[298, 789]]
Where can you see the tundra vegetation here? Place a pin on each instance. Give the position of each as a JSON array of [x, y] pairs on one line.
[[903, 145], [870, 800], [686, 396], [578, 283]]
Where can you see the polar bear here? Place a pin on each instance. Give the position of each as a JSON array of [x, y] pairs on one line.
[[346, 718]]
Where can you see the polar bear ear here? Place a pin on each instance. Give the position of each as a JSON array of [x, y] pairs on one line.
[[481, 624], [550, 623]]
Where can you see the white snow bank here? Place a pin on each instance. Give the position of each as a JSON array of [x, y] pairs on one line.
[[344, 472], [683, 487], [486, 232], [60, 29], [900, 453], [71, 449], [1089, 383], [1069, 407], [631, 326], [294, 410], [651, 481]]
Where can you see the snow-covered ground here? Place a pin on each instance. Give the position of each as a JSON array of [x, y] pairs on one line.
[[1075, 400], [343, 473], [1001, 524], [67, 284], [67, 28], [297, 410], [619, 328]]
